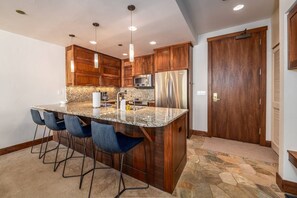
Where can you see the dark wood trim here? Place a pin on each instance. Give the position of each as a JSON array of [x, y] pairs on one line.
[[268, 143], [21, 146], [286, 186], [200, 133], [275, 46], [262, 125], [259, 29], [94, 51], [293, 157], [263, 87]]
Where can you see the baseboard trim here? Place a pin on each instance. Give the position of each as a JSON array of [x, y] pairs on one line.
[[199, 133], [21, 146], [268, 143], [286, 186]]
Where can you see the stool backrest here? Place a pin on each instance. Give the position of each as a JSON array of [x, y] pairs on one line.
[[36, 117], [50, 121], [105, 137], [73, 125]]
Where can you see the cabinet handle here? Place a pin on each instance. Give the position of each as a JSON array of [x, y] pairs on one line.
[[180, 129]]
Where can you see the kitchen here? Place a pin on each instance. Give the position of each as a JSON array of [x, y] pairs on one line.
[[61, 64]]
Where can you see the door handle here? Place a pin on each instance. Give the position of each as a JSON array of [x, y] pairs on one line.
[[215, 97]]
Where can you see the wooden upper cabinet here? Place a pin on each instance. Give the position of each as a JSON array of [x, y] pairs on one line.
[[180, 56], [162, 59], [127, 73], [85, 74], [173, 57], [84, 61], [138, 70], [292, 38], [144, 65]]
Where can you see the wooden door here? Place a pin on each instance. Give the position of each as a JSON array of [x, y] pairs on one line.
[[235, 75], [162, 59], [180, 56]]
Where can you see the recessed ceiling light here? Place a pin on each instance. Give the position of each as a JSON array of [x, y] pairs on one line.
[[20, 12], [153, 42], [238, 7], [132, 28], [125, 54], [93, 42]]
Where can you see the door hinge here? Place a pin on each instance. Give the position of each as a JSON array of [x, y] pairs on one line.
[[259, 131], [260, 71], [260, 41]]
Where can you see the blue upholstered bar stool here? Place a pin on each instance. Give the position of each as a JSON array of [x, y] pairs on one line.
[[106, 139], [39, 122], [75, 129], [56, 125]]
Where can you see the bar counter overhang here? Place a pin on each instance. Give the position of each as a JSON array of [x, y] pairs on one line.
[[164, 129]]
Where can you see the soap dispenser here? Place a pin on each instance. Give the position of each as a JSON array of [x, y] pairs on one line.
[[123, 104]]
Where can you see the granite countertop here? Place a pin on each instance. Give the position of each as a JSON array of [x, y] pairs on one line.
[[142, 116]]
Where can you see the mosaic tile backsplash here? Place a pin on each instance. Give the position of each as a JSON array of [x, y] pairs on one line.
[[84, 93]]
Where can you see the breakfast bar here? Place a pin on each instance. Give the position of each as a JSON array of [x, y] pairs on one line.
[[164, 129]]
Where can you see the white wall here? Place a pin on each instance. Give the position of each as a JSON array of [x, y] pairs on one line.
[[200, 72], [288, 107], [31, 72]]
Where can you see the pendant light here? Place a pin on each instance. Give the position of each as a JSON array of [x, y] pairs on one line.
[[131, 8], [71, 61], [96, 57]]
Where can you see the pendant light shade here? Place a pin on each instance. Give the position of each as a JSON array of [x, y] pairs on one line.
[[96, 56], [131, 8], [96, 60], [71, 61], [72, 65], [131, 52]]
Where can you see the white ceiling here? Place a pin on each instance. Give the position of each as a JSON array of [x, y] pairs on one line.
[[211, 15], [165, 21], [54, 20]]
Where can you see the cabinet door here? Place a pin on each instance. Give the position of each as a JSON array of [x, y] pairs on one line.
[[162, 59], [128, 82], [148, 64], [110, 61], [86, 80], [180, 56], [113, 71], [108, 81], [138, 69], [84, 61], [292, 38]]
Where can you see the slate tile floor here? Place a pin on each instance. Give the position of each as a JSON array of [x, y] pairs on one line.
[[207, 174]]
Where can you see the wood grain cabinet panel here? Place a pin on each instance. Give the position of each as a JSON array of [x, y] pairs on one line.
[[86, 80], [175, 57], [292, 38], [85, 73], [138, 68], [144, 65], [127, 73], [162, 59], [180, 56]]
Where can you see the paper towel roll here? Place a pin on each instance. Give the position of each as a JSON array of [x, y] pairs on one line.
[[96, 99]]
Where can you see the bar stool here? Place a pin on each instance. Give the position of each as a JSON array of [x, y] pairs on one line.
[[56, 125], [75, 129], [106, 139], [39, 122]]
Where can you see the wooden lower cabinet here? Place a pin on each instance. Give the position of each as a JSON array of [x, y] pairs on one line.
[[166, 153]]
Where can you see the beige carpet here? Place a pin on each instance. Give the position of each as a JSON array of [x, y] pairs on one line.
[[247, 150]]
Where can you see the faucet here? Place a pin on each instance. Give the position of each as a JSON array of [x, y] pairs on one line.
[[120, 92]]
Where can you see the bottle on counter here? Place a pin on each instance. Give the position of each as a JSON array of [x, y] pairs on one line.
[[123, 105]]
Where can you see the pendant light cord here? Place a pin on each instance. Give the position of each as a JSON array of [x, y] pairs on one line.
[[96, 38], [131, 27]]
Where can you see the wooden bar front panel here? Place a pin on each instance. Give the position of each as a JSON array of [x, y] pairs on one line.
[[166, 154]]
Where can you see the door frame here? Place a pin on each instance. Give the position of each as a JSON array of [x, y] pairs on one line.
[[263, 36]]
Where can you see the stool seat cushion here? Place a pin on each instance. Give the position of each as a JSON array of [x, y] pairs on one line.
[[87, 132], [126, 143], [51, 122], [61, 126], [75, 128]]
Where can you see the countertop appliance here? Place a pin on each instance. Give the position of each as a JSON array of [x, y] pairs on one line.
[[144, 81], [171, 89], [104, 96]]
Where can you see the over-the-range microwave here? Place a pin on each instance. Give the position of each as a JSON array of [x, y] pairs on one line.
[[144, 81]]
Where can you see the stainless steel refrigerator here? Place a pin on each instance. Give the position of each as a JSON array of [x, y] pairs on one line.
[[171, 89]]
